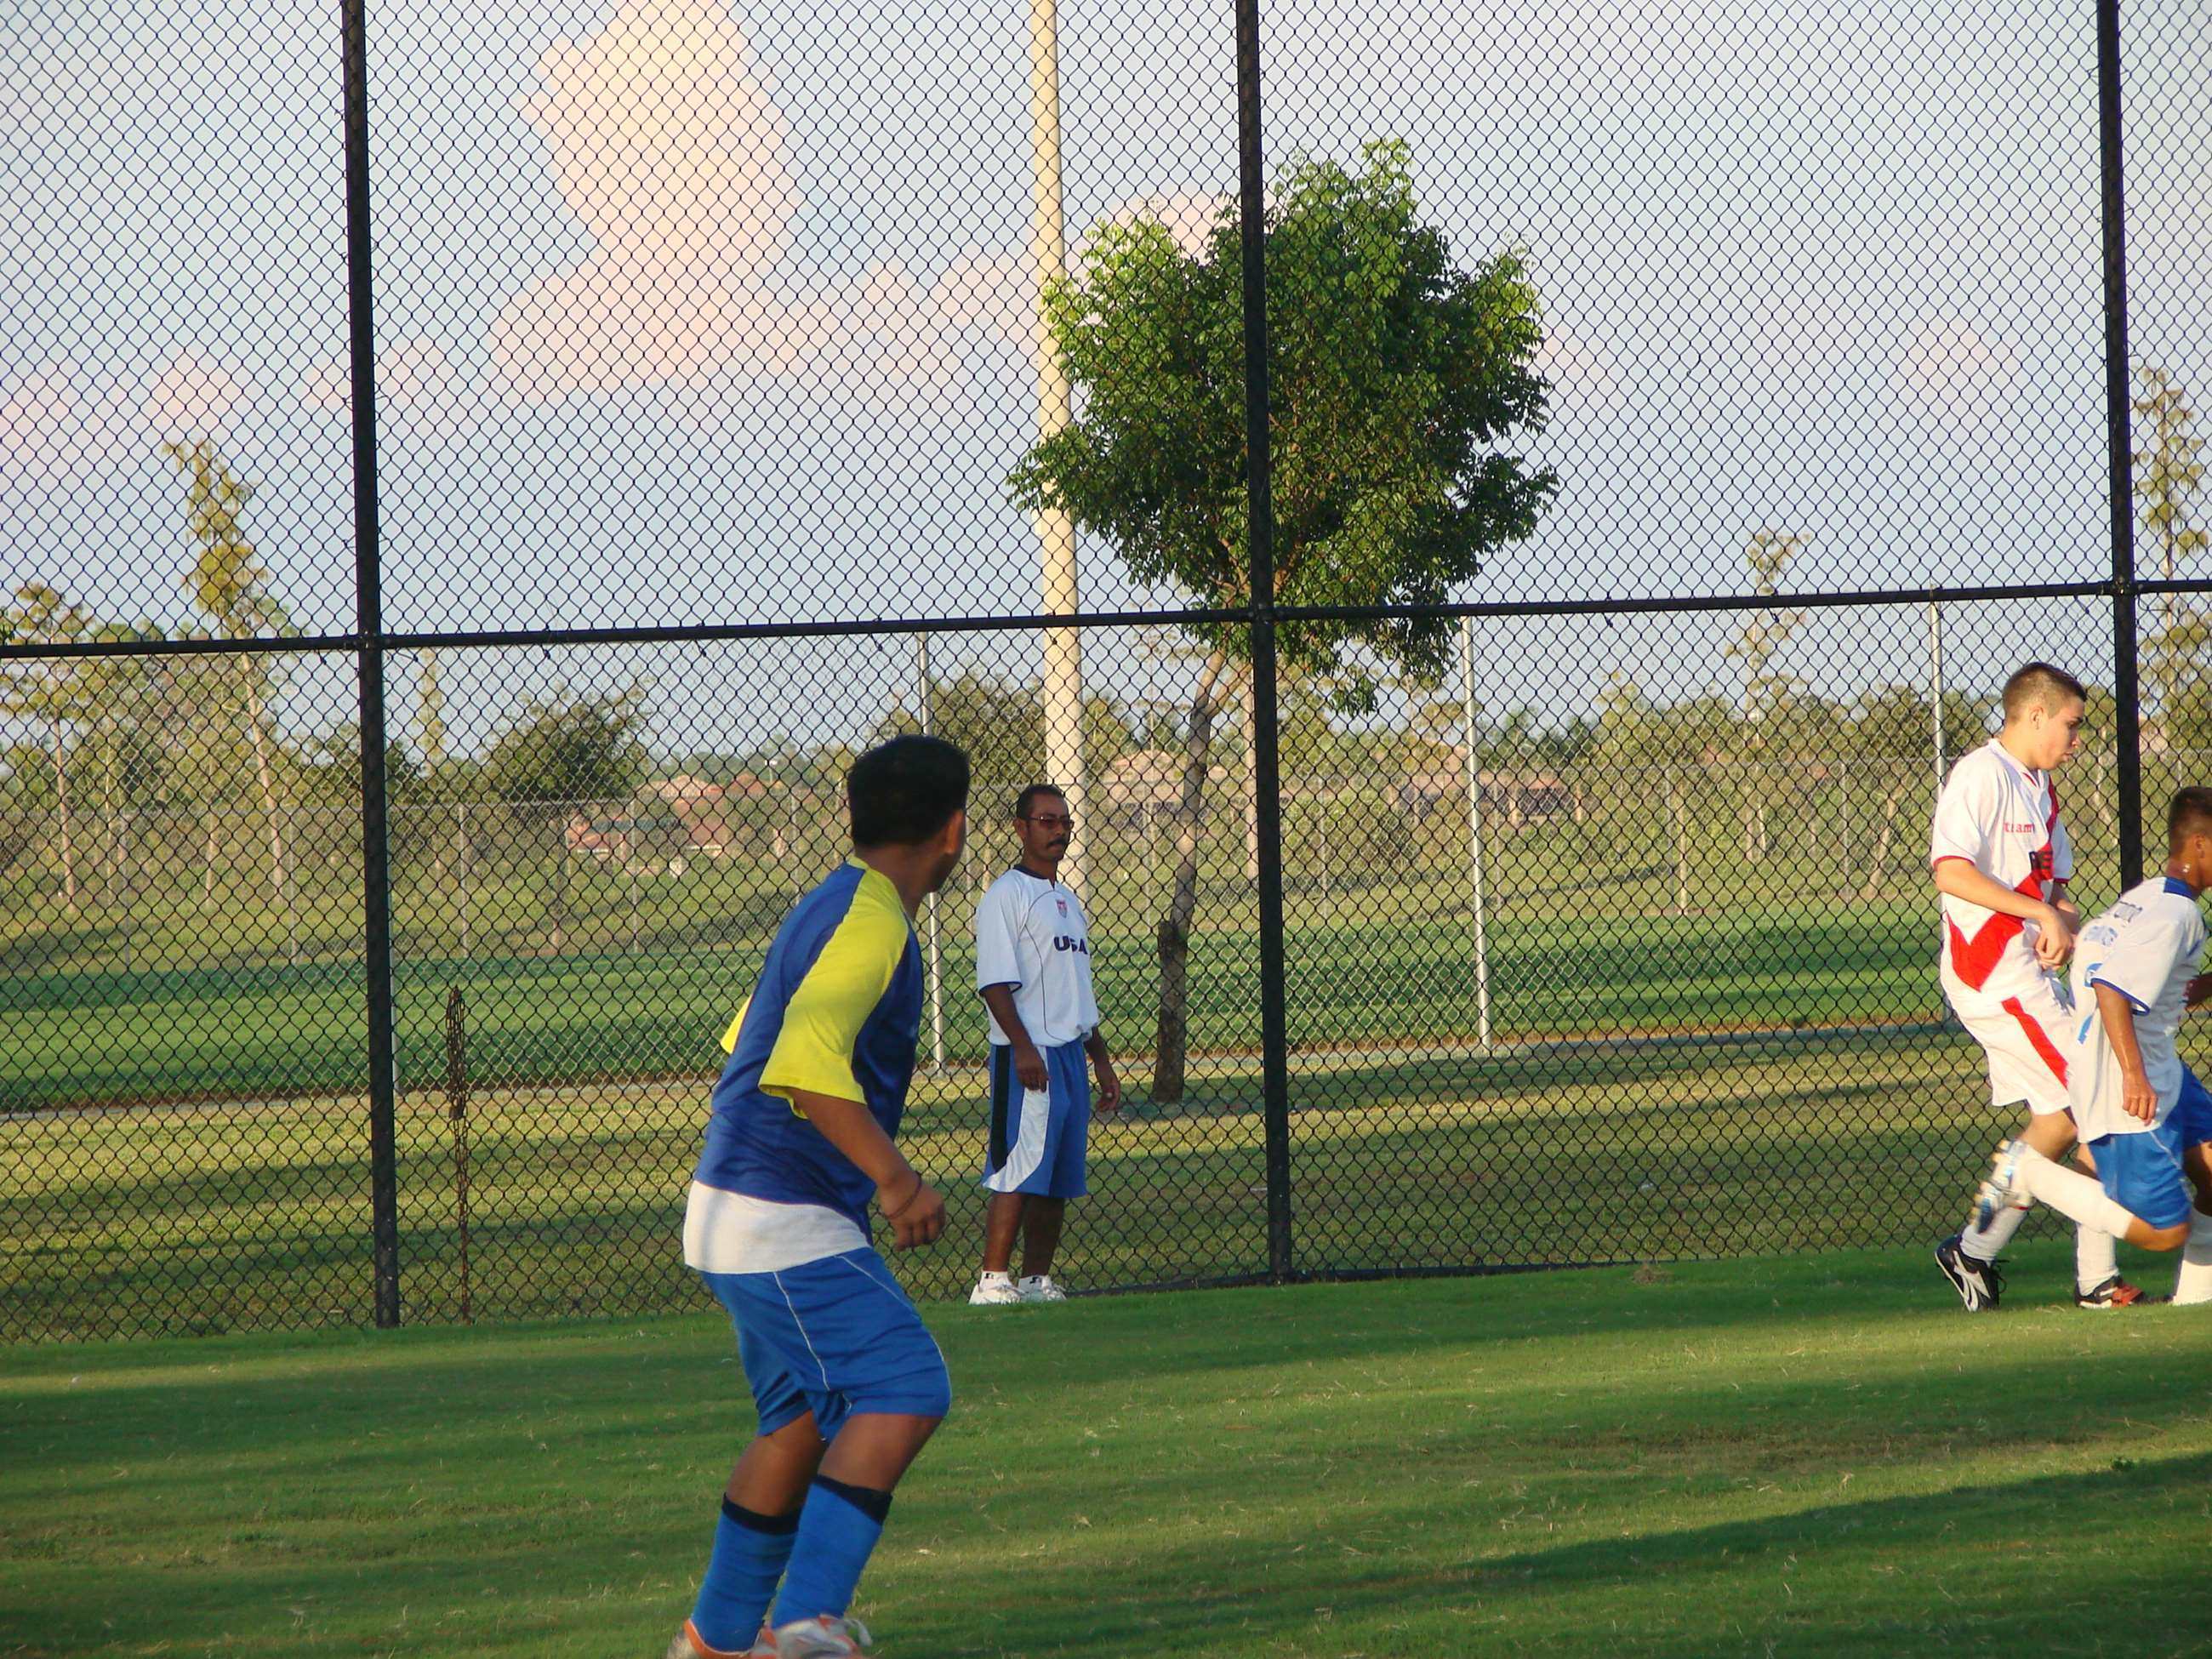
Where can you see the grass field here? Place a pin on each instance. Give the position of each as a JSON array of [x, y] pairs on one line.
[[1796, 1456], [227, 1217], [1357, 976]]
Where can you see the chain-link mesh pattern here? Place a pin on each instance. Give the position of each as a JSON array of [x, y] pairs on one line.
[[707, 364]]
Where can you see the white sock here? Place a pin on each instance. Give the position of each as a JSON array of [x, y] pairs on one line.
[[990, 1278], [2194, 1282], [2096, 1258], [1983, 1243], [2073, 1195]]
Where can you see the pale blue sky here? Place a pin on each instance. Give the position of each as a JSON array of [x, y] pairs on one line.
[[1832, 269]]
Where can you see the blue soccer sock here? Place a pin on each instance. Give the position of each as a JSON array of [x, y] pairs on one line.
[[749, 1553], [838, 1531]]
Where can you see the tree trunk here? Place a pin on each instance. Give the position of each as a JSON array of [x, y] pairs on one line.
[[62, 805], [266, 783], [111, 819], [1891, 800], [1172, 1037], [1681, 844], [206, 888]]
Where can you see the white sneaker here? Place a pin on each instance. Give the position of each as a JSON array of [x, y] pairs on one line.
[[1039, 1287], [826, 1637], [994, 1290]]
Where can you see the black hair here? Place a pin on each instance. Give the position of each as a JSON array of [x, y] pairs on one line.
[[903, 791], [1027, 798], [2035, 682], [2189, 813]]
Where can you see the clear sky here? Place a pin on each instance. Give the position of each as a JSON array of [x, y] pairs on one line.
[[693, 310]]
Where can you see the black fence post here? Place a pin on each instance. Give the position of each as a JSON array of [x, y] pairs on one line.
[[369, 606], [2119, 463], [1266, 781]]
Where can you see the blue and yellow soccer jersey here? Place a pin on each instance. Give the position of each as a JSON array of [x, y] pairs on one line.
[[837, 1012]]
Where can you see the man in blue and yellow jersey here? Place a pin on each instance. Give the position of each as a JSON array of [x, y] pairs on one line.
[[847, 1382]]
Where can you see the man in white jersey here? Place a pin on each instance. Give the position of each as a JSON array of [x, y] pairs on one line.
[[1033, 970], [2001, 860], [2141, 1111]]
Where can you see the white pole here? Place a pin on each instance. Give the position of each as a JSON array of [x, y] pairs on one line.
[[1474, 835], [1063, 647], [1936, 682], [936, 964]]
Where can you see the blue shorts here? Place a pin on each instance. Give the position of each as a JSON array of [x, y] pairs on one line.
[[1039, 1137], [2142, 1172], [834, 1337]]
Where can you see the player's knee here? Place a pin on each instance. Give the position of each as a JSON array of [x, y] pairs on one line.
[[2162, 1238]]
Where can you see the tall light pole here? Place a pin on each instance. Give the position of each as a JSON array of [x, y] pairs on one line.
[[1063, 647]]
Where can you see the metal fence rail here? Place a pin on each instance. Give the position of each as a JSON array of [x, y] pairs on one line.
[[1500, 524]]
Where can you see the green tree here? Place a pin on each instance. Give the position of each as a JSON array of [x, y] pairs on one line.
[[123, 700], [570, 748], [230, 587], [1000, 723], [2168, 475], [1395, 375], [52, 693], [1893, 735], [1765, 693], [430, 712]]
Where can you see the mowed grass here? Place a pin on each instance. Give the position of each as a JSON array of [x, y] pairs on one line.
[[1774, 1457], [228, 1217], [1391, 968]]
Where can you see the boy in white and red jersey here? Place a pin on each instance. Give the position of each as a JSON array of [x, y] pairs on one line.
[[2000, 860]]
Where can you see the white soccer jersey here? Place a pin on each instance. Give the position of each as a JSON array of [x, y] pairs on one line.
[[2002, 819], [2146, 947], [1030, 933]]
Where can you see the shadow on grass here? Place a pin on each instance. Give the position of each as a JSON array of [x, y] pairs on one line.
[[1836, 1577]]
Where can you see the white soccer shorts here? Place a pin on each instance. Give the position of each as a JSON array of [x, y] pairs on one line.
[[2024, 1036]]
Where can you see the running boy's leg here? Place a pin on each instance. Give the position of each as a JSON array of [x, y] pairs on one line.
[[2020, 1038], [2192, 1114], [2021, 1170], [759, 1521], [852, 1340], [2192, 1282]]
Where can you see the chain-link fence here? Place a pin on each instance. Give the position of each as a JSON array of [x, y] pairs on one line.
[[473, 480]]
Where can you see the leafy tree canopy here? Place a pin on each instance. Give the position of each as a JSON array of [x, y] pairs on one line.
[[1395, 374]]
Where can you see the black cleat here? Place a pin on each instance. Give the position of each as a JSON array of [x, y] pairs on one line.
[[1978, 1283]]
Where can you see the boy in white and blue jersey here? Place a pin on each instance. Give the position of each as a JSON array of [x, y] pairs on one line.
[[847, 1382], [2145, 1118], [1033, 972]]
